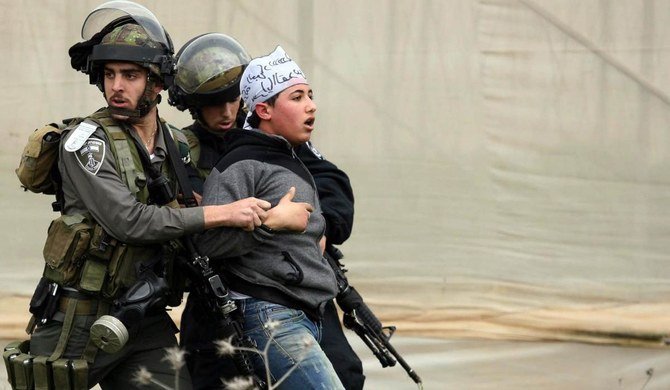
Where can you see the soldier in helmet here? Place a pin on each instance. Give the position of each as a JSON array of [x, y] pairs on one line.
[[209, 70], [99, 310], [207, 84]]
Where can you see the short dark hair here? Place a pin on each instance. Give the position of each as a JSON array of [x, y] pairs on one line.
[[254, 121]]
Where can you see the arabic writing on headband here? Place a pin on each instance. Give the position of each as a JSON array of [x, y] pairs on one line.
[[275, 73]]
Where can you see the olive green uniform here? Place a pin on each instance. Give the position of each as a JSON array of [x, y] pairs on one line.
[[107, 198], [92, 184]]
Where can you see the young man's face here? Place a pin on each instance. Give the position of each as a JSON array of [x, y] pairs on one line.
[[293, 114], [124, 84], [220, 118]]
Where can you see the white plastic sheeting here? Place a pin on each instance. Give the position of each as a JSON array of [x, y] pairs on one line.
[[509, 158]]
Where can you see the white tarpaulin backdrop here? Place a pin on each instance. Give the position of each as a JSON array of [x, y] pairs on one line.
[[509, 158]]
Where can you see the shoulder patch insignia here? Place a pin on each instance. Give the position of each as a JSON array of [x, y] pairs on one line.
[[314, 151], [91, 155], [79, 135]]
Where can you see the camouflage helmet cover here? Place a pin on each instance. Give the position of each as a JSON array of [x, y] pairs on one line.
[[133, 35], [208, 67], [129, 34]]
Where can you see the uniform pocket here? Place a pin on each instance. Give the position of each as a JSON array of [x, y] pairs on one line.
[[118, 267], [67, 242]]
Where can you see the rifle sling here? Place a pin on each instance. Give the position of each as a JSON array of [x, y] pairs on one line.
[[179, 170]]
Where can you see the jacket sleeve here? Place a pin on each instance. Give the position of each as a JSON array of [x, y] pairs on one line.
[[335, 193], [235, 183]]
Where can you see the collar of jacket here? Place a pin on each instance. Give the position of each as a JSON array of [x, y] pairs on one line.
[[239, 137]]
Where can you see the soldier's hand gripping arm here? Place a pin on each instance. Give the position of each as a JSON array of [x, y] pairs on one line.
[[237, 182], [246, 214], [91, 183]]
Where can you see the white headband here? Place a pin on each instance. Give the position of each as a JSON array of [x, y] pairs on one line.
[[266, 76]]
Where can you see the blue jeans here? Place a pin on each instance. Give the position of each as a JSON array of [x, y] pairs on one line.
[[294, 340]]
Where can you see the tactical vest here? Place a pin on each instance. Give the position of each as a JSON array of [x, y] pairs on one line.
[[80, 254], [126, 156]]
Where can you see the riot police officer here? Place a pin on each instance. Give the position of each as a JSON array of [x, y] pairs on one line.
[[113, 245], [209, 69]]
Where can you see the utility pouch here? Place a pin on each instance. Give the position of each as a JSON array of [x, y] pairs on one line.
[[118, 270], [92, 276], [43, 304], [38, 302], [102, 244], [67, 242], [38, 160], [22, 365], [61, 374], [79, 374], [100, 252], [44, 379], [122, 271], [12, 350]]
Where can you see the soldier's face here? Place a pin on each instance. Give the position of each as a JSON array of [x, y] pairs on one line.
[[293, 114], [221, 117], [125, 84]]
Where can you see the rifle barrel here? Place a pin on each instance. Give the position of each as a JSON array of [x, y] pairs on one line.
[[359, 318]]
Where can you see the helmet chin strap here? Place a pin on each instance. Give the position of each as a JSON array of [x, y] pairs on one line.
[[144, 106], [196, 113]]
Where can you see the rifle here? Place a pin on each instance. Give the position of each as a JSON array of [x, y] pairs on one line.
[[359, 318], [213, 295], [207, 284]]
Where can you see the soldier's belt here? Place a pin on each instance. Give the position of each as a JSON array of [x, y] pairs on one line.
[[87, 307]]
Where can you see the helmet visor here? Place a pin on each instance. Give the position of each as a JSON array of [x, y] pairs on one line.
[[108, 12]]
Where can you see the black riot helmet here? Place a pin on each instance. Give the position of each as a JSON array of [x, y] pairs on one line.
[[209, 69]]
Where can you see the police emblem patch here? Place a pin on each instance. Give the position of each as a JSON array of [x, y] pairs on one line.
[[79, 135], [314, 150], [91, 155]]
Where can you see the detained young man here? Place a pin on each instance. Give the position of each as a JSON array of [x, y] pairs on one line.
[[280, 281]]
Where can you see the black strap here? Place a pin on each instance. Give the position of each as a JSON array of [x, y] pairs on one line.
[[145, 159], [240, 358], [179, 169]]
